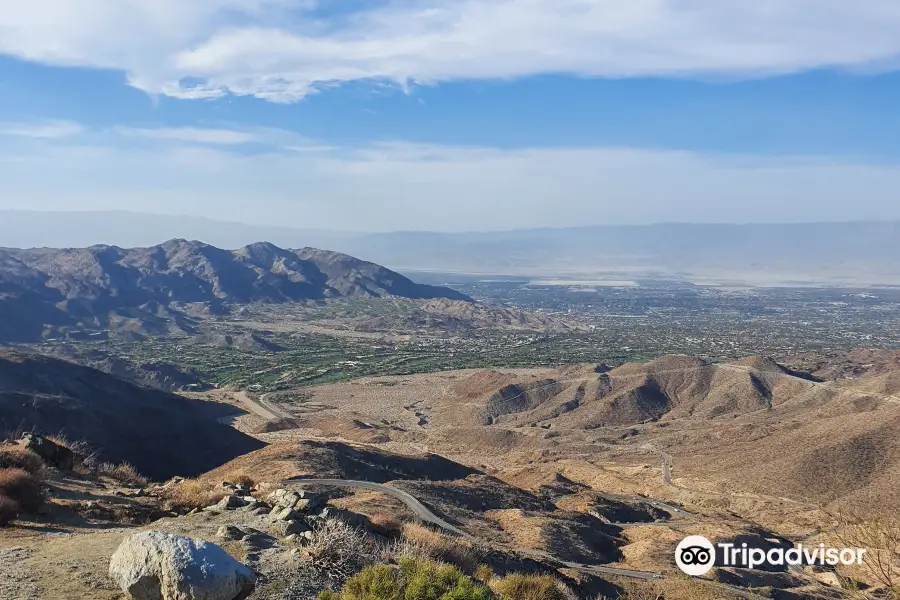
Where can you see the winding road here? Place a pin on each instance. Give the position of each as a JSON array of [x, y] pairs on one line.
[[425, 514]]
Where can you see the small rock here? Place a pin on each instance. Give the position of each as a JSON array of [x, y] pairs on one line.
[[306, 505], [283, 497], [350, 518], [828, 578], [230, 503], [157, 566], [230, 532], [286, 528], [282, 514]]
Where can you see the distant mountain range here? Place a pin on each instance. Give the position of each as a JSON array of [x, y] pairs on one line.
[[158, 289], [851, 253]]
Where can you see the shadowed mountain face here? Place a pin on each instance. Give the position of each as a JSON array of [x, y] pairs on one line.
[[154, 290], [161, 434]]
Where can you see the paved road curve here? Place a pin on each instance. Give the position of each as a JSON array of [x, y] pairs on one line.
[[409, 500], [425, 514]]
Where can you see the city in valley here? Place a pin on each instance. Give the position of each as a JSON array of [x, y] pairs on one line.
[[317, 416]]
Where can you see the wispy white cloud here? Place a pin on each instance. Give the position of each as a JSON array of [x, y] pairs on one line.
[[278, 50], [193, 134], [413, 186], [41, 129]]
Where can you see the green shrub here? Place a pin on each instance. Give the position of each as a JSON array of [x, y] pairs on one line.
[[413, 580], [377, 582], [484, 574]]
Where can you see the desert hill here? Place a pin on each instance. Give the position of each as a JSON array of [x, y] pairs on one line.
[[758, 424], [160, 289], [752, 425], [670, 387], [161, 434]]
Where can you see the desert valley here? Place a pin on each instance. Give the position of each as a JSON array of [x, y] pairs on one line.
[[315, 418]]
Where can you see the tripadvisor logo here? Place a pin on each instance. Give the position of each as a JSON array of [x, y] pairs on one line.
[[695, 555]]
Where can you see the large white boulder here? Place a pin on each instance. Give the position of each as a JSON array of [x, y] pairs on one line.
[[157, 566]]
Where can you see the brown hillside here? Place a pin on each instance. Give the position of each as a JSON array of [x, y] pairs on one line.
[[161, 434], [331, 460]]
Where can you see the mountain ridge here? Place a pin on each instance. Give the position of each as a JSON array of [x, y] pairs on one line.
[[104, 286], [834, 252]]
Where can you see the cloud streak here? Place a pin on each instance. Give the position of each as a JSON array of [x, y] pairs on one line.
[[391, 186], [282, 50], [41, 129], [194, 134]]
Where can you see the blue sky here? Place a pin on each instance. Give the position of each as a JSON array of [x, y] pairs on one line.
[[453, 114]]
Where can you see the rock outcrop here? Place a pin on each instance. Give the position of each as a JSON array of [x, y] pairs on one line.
[[53, 454], [157, 566]]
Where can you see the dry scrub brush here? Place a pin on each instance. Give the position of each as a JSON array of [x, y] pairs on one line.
[[880, 536], [9, 510], [14, 456], [340, 550], [19, 491], [520, 586], [672, 589], [190, 494], [241, 478], [123, 473], [420, 542]]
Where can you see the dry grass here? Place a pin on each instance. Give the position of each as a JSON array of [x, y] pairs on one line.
[[673, 589], [484, 574], [191, 494], [239, 477], [9, 510], [417, 542], [531, 587], [123, 473], [386, 523], [13, 456], [24, 488]]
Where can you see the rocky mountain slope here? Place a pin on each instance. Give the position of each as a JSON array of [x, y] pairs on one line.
[[161, 434], [161, 289]]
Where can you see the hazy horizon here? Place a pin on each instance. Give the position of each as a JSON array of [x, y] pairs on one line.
[[473, 230], [837, 252]]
